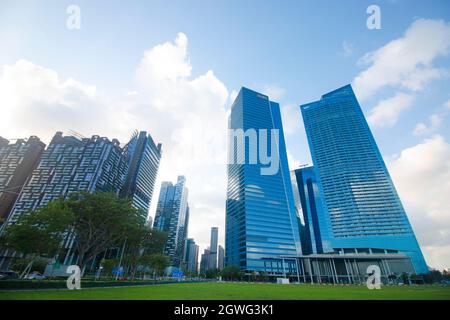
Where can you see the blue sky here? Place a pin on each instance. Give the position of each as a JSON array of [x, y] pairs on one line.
[[295, 51]]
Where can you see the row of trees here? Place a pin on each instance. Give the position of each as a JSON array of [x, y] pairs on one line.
[[95, 222], [227, 273]]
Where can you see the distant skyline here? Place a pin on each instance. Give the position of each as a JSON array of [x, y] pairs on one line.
[[173, 70]]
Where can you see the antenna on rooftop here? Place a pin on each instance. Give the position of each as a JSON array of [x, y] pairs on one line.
[[76, 134]]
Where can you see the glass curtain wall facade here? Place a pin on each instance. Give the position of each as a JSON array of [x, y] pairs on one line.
[[191, 257], [260, 212], [213, 248], [172, 217], [306, 193], [363, 210], [144, 157]]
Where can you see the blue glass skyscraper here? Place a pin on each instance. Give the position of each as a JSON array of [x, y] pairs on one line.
[[172, 216], [260, 214], [362, 209], [310, 206]]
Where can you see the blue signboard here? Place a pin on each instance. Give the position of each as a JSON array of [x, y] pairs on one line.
[[117, 271]]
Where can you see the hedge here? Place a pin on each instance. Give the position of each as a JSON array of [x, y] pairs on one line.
[[61, 284]]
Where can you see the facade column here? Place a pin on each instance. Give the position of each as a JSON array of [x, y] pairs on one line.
[[335, 271]]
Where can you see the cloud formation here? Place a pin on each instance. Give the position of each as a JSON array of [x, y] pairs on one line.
[[421, 175], [387, 112], [406, 62]]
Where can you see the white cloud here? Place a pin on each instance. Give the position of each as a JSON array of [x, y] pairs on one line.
[[274, 92], [435, 121], [347, 48], [168, 61], [407, 61], [387, 112], [292, 162], [34, 100], [234, 93], [291, 118], [190, 118], [422, 177], [420, 129], [447, 104]]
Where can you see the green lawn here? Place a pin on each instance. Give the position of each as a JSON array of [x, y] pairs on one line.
[[230, 291]]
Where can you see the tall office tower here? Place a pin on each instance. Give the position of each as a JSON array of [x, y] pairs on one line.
[[213, 248], [363, 211], [70, 164], [17, 161], [261, 222], [221, 258], [191, 256], [171, 217], [144, 157], [204, 261], [182, 236], [307, 198]]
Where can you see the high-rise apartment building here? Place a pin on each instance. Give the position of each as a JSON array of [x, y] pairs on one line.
[[144, 157], [213, 248], [172, 216], [261, 221], [17, 162], [362, 210], [70, 164], [3, 142]]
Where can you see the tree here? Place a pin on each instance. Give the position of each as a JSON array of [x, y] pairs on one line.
[[39, 264], [231, 273], [144, 241], [95, 221], [108, 265], [158, 262], [101, 220], [39, 233], [211, 273]]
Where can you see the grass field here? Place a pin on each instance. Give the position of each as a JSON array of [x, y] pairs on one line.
[[234, 291]]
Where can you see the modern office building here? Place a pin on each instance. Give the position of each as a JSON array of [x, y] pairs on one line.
[[191, 257], [261, 221], [70, 164], [361, 208], [213, 248], [307, 200], [221, 258], [17, 162], [204, 261], [144, 157], [182, 235], [172, 216]]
